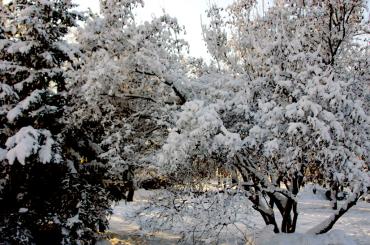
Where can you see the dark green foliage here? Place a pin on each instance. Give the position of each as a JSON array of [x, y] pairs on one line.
[[61, 199]]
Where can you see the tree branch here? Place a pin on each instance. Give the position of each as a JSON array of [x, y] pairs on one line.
[[177, 92], [327, 224], [131, 96]]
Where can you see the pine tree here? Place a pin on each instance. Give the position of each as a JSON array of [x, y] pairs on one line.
[[44, 199]]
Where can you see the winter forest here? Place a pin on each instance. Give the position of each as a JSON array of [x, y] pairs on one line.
[[112, 133]]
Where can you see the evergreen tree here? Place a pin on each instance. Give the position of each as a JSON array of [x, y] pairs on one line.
[[45, 196]]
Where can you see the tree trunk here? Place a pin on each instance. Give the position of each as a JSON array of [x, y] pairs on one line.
[[268, 218], [131, 191], [286, 224], [289, 223], [333, 196]]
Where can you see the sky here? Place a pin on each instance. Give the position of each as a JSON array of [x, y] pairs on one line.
[[188, 12]]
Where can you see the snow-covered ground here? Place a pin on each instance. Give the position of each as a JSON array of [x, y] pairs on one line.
[[352, 228]]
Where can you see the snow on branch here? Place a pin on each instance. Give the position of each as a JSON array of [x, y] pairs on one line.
[[24, 105], [327, 224], [29, 141], [7, 91]]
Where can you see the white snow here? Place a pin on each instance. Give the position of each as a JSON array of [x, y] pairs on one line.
[[26, 142], [22, 145], [3, 153], [24, 105], [336, 237], [73, 220], [45, 153], [353, 228], [23, 210], [7, 91]]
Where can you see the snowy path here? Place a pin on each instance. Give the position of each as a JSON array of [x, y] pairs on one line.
[[355, 223]]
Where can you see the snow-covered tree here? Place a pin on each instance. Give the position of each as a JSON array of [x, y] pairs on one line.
[[44, 198], [279, 105], [127, 86]]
